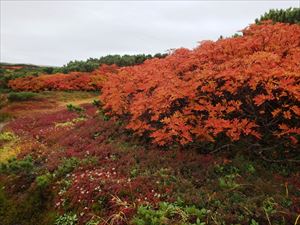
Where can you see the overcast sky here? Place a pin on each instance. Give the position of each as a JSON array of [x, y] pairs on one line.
[[55, 32]]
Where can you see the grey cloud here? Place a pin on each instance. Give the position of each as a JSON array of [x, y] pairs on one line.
[[53, 33]]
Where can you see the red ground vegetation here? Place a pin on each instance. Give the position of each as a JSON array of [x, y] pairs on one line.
[[110, 179], [101, 171], [8, 67]]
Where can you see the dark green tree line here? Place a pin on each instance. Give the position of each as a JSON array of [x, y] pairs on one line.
[[290, 15]]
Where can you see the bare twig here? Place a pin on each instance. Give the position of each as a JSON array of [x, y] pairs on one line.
[[222, 147], [267, 215], [296, 221], [278, 160], [260, 151]]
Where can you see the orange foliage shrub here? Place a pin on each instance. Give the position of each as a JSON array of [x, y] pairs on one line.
[[237, 87], [72, 81]]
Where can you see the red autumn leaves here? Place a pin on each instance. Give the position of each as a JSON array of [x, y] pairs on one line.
[[73, 81], [246, 86]]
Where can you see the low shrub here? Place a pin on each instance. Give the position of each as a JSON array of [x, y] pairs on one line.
[[66, 219], [228, 182], [70, 123], [8, 146], [15, 166], [44, 180], [4, 90], [7, 136], [169, 213], [74, 108], [77, 109], [97, 103], [21, 96], [67, 166]]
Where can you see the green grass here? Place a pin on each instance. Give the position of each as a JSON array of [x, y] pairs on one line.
[[65, 96]]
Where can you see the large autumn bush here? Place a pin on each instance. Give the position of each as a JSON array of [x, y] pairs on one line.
[[236, 88]]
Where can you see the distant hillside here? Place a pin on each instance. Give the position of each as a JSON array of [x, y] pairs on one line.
[[16, 66], [11, 71], [88, 65]]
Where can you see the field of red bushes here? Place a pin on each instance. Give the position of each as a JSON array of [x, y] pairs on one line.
[[75, 81], [234, 88]]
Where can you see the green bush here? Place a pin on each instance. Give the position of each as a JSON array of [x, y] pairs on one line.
[[4, 90], [18, 166], [44, 180], [97, 103], [66, 219], [253, 222], [102, 114], [228, 182], [67, 166], [20, 96], [7, 136], [93, 222], [74, 108], [168, 213], [79, 110]]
